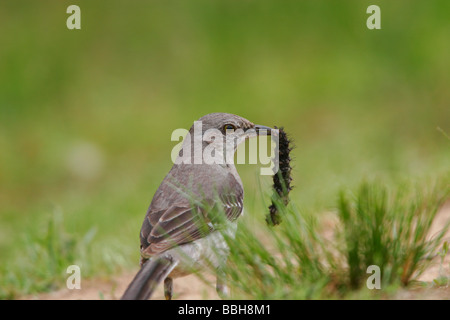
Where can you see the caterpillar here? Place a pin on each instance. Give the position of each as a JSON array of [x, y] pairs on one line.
[[281, 179]]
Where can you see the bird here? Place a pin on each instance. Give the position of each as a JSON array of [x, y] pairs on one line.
[[195, 208]]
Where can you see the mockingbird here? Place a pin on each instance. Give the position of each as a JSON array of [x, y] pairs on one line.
[[179, 234]]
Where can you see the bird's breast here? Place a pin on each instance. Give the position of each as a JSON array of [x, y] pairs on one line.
[[210, 251]]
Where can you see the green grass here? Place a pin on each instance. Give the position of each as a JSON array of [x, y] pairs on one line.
[[391, 231], [376, 226], [47, 254], [443, 279]]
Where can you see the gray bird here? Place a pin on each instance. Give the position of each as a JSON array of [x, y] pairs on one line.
[[180, 232]]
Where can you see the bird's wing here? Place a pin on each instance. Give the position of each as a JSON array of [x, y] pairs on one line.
[[175, 226], [178, 224]]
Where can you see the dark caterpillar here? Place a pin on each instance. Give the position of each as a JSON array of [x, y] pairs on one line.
[[281, 180]]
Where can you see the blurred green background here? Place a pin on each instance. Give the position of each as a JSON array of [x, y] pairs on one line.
[[86, 115]]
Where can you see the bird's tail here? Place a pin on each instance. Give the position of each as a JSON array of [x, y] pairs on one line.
[[147, 279]]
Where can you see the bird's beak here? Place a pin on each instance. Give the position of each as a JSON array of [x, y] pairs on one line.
[[263, 130]]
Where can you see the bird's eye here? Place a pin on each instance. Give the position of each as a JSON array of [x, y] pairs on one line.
[[228, 127]]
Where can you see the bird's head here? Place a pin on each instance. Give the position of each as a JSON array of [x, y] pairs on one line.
[[221, 133], [230, 125], [214, 138]]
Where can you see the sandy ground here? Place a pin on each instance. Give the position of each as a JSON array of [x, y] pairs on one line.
[[191, 287], [187, 288]]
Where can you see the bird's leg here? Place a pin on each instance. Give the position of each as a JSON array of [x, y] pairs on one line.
[[221, 285], [168, 285]]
